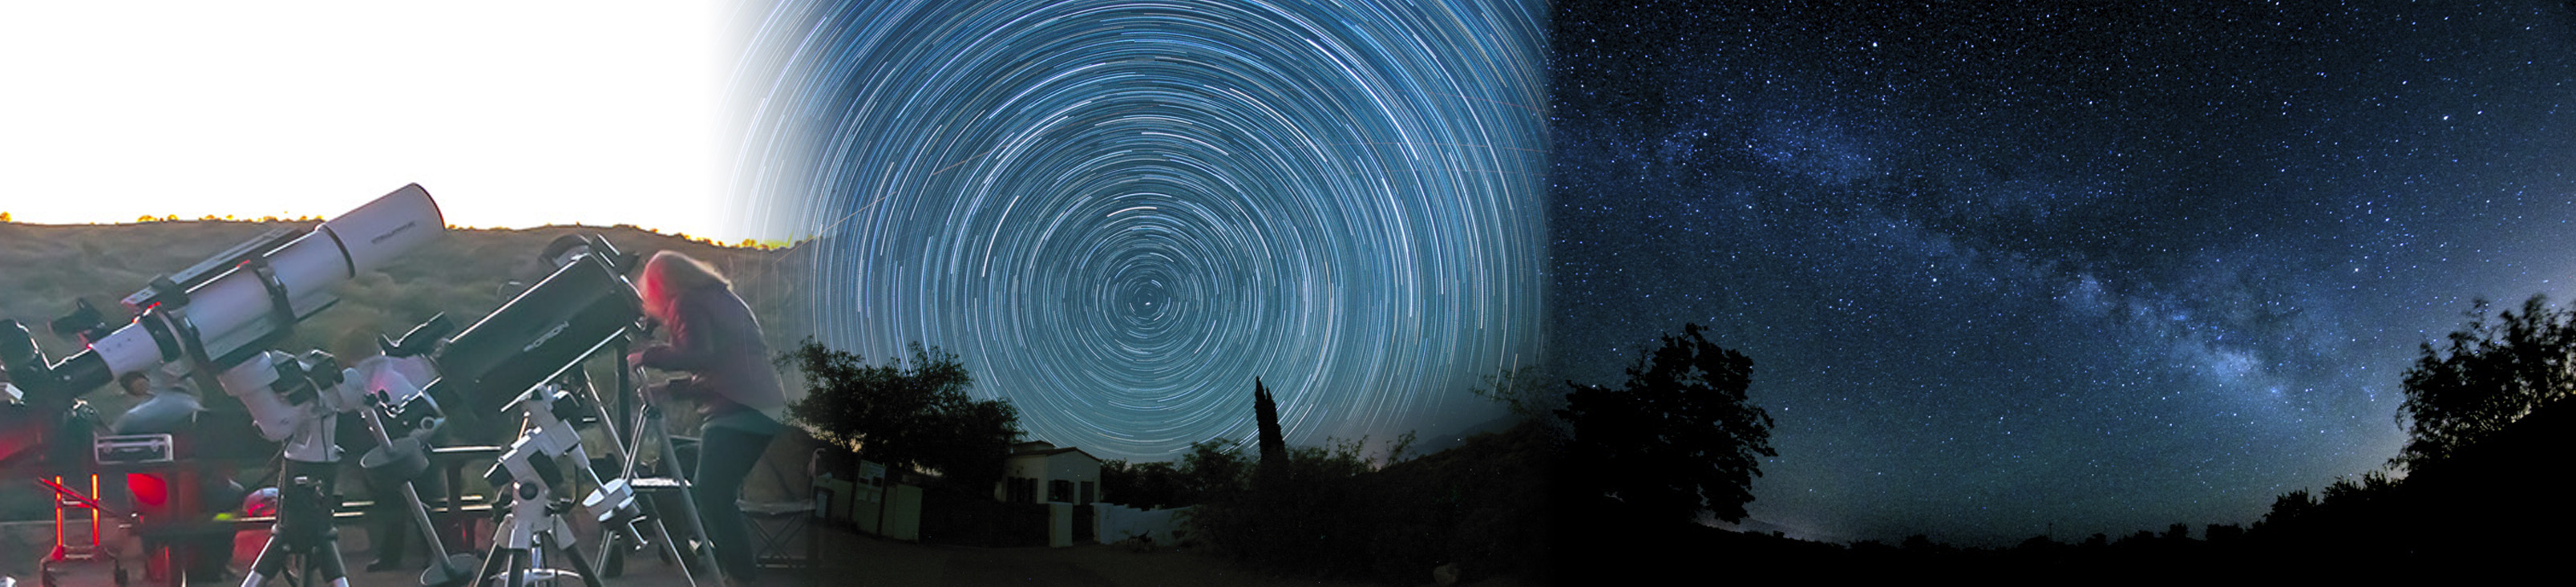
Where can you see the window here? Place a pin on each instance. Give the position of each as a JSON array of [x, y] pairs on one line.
[[1020, 490], [1059, 490]]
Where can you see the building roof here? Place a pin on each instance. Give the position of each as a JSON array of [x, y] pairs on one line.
[[1043, 448]]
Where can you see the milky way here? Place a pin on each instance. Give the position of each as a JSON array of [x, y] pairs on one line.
[[2009, 268], [1120, 213]]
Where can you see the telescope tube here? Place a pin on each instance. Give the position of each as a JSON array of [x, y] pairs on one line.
[[228, 318]]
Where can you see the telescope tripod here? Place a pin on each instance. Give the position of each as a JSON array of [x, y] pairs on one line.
[[531, 479], [534, 524], [405, 458], [538, 485], [301, 538], [649, 427]]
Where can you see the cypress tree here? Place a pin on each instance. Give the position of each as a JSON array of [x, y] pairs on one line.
[[1274, 447]]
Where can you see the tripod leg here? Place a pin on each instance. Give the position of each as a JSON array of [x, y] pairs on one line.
[[672, 549], [634, 448], [326, 556], [582, 567], [442, 566], [612, 551], [612, 557], [617, 443], [688, 494], [494, 563], [615, 549], [421, 522], [518, 568], [630, 450], [272, 558]]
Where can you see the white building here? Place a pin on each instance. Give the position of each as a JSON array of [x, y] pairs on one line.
[[1041, 472]]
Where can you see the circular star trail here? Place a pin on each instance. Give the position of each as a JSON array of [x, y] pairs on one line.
[[1119, 214]]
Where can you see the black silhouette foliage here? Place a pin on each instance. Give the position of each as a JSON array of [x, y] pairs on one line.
[[909, 416], [1148, 485], [1679, 439], [1274, 443], [2488, 375]]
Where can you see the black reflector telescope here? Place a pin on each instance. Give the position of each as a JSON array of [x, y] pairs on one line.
[[539, 335]]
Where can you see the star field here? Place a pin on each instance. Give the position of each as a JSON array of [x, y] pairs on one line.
[[1119, 213], [2091, 267]]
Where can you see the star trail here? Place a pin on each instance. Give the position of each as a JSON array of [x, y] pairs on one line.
[[1120, 213]]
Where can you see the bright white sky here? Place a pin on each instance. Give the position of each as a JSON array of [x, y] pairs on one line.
[[512, 114]]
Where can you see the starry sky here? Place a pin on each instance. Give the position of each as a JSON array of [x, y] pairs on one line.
[[1120, 213], [2013, 267]]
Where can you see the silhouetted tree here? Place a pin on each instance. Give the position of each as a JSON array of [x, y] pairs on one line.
[[2491, 373], [1678, 439], [1154, 485], [1274, 445], [2372, 486], [2290, 507], [912, 416], [1525, 391], [1308, 512], [1213, 469]]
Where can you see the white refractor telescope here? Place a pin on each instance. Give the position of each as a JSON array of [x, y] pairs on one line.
[[215, 317]]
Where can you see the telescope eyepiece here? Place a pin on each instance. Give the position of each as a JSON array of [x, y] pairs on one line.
[[18, 349], [84, 323], [29, 371]]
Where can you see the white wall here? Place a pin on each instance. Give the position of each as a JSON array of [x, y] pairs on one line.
[[1112, 523], [1069, 466], [1072, 466]]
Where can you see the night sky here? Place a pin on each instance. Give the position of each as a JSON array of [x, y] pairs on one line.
[[2102, 267], [1120, 213], [2001, 270]]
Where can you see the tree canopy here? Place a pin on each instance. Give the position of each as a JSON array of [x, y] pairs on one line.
[[911, 416], [1148, 485], [1678, 439], [1527, 391], [2486, 376]]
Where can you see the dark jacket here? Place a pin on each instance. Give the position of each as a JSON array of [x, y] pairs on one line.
[[715, 337]]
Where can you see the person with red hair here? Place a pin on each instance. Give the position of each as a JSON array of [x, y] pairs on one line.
[[715, 338]]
